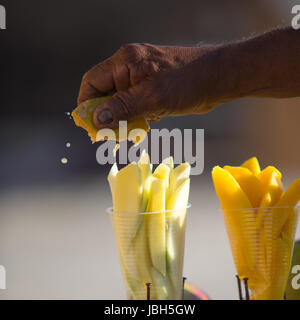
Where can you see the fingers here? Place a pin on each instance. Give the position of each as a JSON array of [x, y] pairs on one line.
[[121, 77], [97, 82], [119, 107]]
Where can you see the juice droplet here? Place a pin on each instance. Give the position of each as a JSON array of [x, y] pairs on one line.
[[68, 144], [64, 160], [68, 113]]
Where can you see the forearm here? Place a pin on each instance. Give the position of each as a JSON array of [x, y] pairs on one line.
[[265, 66]]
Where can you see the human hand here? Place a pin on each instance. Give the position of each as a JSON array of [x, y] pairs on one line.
[[151, 81]]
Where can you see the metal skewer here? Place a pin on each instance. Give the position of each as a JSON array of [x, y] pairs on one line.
[[239, 287], [148, 284], [183, 283], [246, 288]]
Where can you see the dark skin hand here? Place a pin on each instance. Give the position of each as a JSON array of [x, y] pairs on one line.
[[157, 81]]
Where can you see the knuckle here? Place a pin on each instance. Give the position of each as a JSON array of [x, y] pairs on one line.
[[132, 51]]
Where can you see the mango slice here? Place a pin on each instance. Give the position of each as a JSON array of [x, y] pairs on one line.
[[175, 234], [177, 176], [83, 117], [253, 165], [169, 162], [272, 189], [162, 172], [233, 202], [249, 183], [156, 224], [146, 170]]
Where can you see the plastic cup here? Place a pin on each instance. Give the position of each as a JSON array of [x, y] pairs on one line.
[[151, 252], [262, 242]]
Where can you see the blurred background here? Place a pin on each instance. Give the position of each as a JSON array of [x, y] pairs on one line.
[[56, 241]]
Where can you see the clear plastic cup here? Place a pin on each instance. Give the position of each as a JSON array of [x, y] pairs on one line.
[[151, 252], [262, 242]]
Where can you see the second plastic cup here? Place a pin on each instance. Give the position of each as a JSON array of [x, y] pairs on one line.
[[262, 242], [151, 252]]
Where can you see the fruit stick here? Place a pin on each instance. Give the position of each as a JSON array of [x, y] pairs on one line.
[[253, 165], [156, 224]]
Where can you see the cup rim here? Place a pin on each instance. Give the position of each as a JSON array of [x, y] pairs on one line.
[[258, 208], [110, 211]]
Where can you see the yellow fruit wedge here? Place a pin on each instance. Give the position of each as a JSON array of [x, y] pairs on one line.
[[177, 176], [169, 162], [112, 176], [288, 199], [83, 117], [156, 224], [266, 175], [179, 199], [142, 254], [253, 165], [234, 202], [230, 193], [146, 171], [272, 191], [162, 172], [127, 197], [128, 190], [130, 274], [289, 228], [249, 183], [279, 266], [176, 217], [161, 289]]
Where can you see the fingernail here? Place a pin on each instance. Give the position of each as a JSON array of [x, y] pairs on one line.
[[105, 117]]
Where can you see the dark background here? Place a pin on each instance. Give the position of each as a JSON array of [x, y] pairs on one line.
[[53, 241]]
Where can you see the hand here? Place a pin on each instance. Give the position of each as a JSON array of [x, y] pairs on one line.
[[152, 81]]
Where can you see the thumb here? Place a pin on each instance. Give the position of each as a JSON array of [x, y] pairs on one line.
[[121, 106]]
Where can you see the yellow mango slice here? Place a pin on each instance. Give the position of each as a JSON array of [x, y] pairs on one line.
[[162, 172], [272, 191], [249, 183], [142, 254], [146, 171], [127, 197], [233, 201], [156, 224], [112, 176], [128, 190], [230, 193], [176, 216], [177, 176], [289, 228], [253, 165], [288, 199], [266, 175], [169, 162], [278, 268], [83, 117]]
